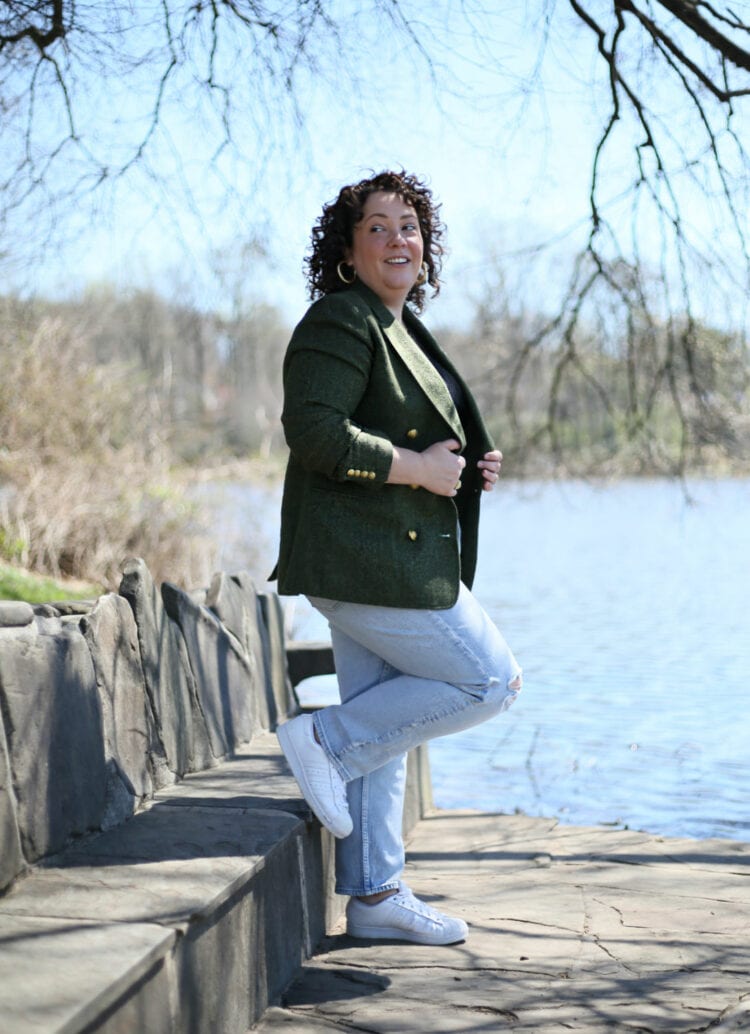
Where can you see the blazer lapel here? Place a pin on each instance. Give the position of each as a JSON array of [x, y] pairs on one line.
[[419, 365], [483, 440], [426, 376]]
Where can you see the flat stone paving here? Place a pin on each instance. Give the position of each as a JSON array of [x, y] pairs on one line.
[[572, 929]]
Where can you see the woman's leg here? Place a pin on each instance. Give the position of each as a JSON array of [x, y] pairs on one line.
[[451, 669], [371, 858]]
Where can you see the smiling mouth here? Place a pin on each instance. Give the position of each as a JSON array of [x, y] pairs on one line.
[[402, 261]]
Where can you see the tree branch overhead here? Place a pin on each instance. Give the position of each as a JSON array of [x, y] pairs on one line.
[[97, 95]]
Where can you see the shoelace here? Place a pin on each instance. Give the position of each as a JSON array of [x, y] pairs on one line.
[[406, 897]]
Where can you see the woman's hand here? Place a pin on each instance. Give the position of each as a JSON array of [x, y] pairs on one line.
[[437, 469], [442, 468], [490, 468]]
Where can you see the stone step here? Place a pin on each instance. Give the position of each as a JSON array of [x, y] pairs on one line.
[[191, 916], [159, 871]]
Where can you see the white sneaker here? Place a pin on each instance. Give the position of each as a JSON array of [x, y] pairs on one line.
[[403, 917], [321, 785]]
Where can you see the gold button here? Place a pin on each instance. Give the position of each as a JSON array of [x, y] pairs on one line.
[[372, 475], [412, 534], [412, 433], [350, 473], [358, 473], [414, 486]]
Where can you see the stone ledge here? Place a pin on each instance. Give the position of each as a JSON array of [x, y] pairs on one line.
[[135, 902], [191, 916], [14, 614], [104, 702], [62, 974], [308, 658]]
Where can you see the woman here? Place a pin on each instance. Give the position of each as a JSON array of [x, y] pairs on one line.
[[388, 458]]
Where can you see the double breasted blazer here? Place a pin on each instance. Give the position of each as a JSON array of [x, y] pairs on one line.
[[356, 383]]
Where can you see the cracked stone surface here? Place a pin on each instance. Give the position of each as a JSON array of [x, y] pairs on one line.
[[571, 929]]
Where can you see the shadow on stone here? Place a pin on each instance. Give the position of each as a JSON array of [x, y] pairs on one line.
[[324, 984]]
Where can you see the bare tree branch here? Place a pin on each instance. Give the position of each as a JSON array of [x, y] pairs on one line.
[[51, 12], [97, 96], [689, 14]]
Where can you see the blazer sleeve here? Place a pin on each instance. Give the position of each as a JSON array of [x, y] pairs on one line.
[[326, 374]]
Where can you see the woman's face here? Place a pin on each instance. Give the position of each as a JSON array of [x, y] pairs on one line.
[[387, 249]]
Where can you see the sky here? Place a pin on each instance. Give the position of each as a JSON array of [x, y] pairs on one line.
[[504, 135]]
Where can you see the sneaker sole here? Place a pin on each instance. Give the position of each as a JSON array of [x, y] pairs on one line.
[[298, 771], [395, 933]]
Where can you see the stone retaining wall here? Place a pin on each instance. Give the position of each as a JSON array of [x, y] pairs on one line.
[[104, 703], [159, 870]]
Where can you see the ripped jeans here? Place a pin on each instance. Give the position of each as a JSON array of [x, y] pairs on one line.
[[405, 676]]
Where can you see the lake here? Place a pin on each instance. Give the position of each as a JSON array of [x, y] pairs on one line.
[[628, 606]]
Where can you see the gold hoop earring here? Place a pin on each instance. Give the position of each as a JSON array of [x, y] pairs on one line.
[[341, 275], [423, 274]]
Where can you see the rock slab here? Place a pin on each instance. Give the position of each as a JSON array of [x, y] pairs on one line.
[[54, 735], [112, 637], [12, 861], [15, 614], [274, 650], [180, 742], [226, 689]]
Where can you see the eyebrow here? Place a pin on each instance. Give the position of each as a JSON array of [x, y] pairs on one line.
[[383, 215]]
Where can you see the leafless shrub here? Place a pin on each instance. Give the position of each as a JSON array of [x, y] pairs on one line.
[[84, 468], [606, 382]]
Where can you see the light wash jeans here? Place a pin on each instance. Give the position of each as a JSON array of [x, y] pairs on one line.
[[405, 676]]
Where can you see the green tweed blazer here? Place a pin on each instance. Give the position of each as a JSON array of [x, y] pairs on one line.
[[356, 384]]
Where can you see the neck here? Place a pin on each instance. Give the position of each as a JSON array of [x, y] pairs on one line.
[[396, 305]]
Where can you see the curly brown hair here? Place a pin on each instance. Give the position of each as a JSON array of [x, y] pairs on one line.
[[332, 234]]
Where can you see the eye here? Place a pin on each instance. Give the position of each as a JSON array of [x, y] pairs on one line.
[[410, 227]]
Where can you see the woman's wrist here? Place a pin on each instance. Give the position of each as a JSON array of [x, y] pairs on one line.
[[407, 467]]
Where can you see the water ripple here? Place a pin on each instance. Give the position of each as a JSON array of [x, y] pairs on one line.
[[628, 609]]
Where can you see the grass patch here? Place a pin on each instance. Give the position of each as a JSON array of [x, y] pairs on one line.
[[18, 584]]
